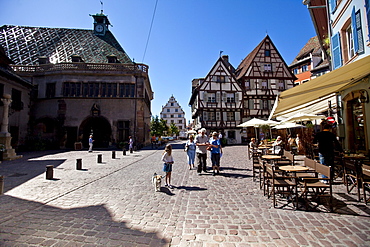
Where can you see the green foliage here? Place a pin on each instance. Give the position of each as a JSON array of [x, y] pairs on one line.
[[174, 130], [158, 126]]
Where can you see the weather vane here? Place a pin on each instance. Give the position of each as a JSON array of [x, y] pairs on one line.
[[101, 2]]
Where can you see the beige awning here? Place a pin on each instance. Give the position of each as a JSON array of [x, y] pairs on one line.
[[323, 87]]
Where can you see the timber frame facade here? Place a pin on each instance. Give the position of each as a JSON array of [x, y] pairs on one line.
[[227, 97], [217, 99], [262, 75]]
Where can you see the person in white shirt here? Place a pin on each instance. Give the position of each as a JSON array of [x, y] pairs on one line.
[[167, 164]]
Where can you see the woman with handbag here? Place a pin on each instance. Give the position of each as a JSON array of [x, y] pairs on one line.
[[190, 151]]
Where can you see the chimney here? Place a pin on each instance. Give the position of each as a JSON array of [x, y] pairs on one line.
[[225, 58]]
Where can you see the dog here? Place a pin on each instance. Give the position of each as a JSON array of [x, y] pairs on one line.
[[157, 180]]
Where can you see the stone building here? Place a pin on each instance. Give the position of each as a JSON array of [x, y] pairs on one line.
[[84, 83]]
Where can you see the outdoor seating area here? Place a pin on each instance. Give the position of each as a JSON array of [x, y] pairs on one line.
[[302, 183]]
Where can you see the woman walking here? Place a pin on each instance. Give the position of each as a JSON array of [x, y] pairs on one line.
[[190, 147], [216, 152]]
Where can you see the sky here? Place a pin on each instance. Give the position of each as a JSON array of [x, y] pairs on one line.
[[186, 36]]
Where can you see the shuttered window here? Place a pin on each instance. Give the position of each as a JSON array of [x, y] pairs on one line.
[[358, 41], [337, 56]]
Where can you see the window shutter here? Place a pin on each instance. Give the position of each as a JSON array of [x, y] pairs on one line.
[[261, 104], [218, 116], [251, 104], [236, 97], [218, 97], [237, 116], [337, 56], [354, 29], [205, 97], [224, 97], [224, 116], [357, 31], [205, 116], [333, 5]]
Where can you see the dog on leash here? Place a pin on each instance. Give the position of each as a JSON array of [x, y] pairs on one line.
[[157, 180]]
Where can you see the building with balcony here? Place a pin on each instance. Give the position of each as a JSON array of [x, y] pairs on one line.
[[83, 83]]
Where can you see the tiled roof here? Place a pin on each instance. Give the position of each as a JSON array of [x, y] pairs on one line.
[[24, 45], [244, 65], [312, 46]]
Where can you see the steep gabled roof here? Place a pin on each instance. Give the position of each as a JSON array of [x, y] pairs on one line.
[[24, 45], [247, 61]]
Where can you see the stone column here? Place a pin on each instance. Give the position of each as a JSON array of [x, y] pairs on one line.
[[5, 137], [5, 124]]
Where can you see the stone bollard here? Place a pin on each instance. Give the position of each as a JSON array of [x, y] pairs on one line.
[[100, 158], [1, 185], [113, 154], [124, 151], [49, 171], [78, 164]]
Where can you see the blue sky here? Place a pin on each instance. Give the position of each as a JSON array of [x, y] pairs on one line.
[[187, 35]]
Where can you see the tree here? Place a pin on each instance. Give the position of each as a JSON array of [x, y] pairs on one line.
[[158, 126], [174, 130]]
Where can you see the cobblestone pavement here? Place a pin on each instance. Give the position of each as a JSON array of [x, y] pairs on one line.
[[114, 204]]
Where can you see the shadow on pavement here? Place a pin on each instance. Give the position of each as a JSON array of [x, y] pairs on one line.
[[16, 173], [191, 188], [34, 223]]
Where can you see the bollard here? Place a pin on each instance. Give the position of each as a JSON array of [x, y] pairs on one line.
[[49, 171], [113, 154], [1, 185], [78, 164], [124, 151], [99, 158]]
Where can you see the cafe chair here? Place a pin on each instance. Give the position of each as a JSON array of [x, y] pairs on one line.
[[287, 159], [352, 176], [338, 166], [315, 189], [311, 172], [365, 181], [257, 166], [285, 186]]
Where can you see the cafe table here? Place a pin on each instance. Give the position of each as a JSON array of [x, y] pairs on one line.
[[293, 168], [271, 157]]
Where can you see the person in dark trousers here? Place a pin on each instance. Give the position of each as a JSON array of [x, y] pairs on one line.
[[328, 143], [201, 142]]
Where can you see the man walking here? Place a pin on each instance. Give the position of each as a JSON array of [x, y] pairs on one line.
[[201, 142], [90, 143]]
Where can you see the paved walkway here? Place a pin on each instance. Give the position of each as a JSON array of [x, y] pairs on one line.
[[114, 204]]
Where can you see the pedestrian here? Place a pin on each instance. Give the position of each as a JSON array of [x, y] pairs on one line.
[[276, 146], [328, 143], [167, 164], [253, 147], [153, 141], [90, 143], [130, 143], [216, 152], [190, 151], [201, 141]]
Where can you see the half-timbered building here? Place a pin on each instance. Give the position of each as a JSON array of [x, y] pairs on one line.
[[262, 75], [217, 101]]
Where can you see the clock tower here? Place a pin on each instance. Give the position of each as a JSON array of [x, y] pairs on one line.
[[101, 24]]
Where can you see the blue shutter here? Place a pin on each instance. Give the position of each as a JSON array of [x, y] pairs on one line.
[[354, 29], [336, 56], [333, 5], [360, 39]]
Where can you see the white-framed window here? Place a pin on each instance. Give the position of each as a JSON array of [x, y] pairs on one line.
[[247, 84], [295, 71], [267, 67], [230, 98], [164, 115], [211, 97], [168, 110], [304, 68], [264, 85], [176, 110], [349, 42], [281, 85], [179, 115], [230, 116], [211, 116], [180, 121]]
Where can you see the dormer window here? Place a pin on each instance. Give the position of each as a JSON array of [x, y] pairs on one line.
[[43, 60], [112, 59], [76, 59]]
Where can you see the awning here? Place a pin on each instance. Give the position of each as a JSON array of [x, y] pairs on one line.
[[321, 89]]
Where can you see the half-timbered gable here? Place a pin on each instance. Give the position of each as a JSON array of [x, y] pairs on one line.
[[219, 101], [262, 75]]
